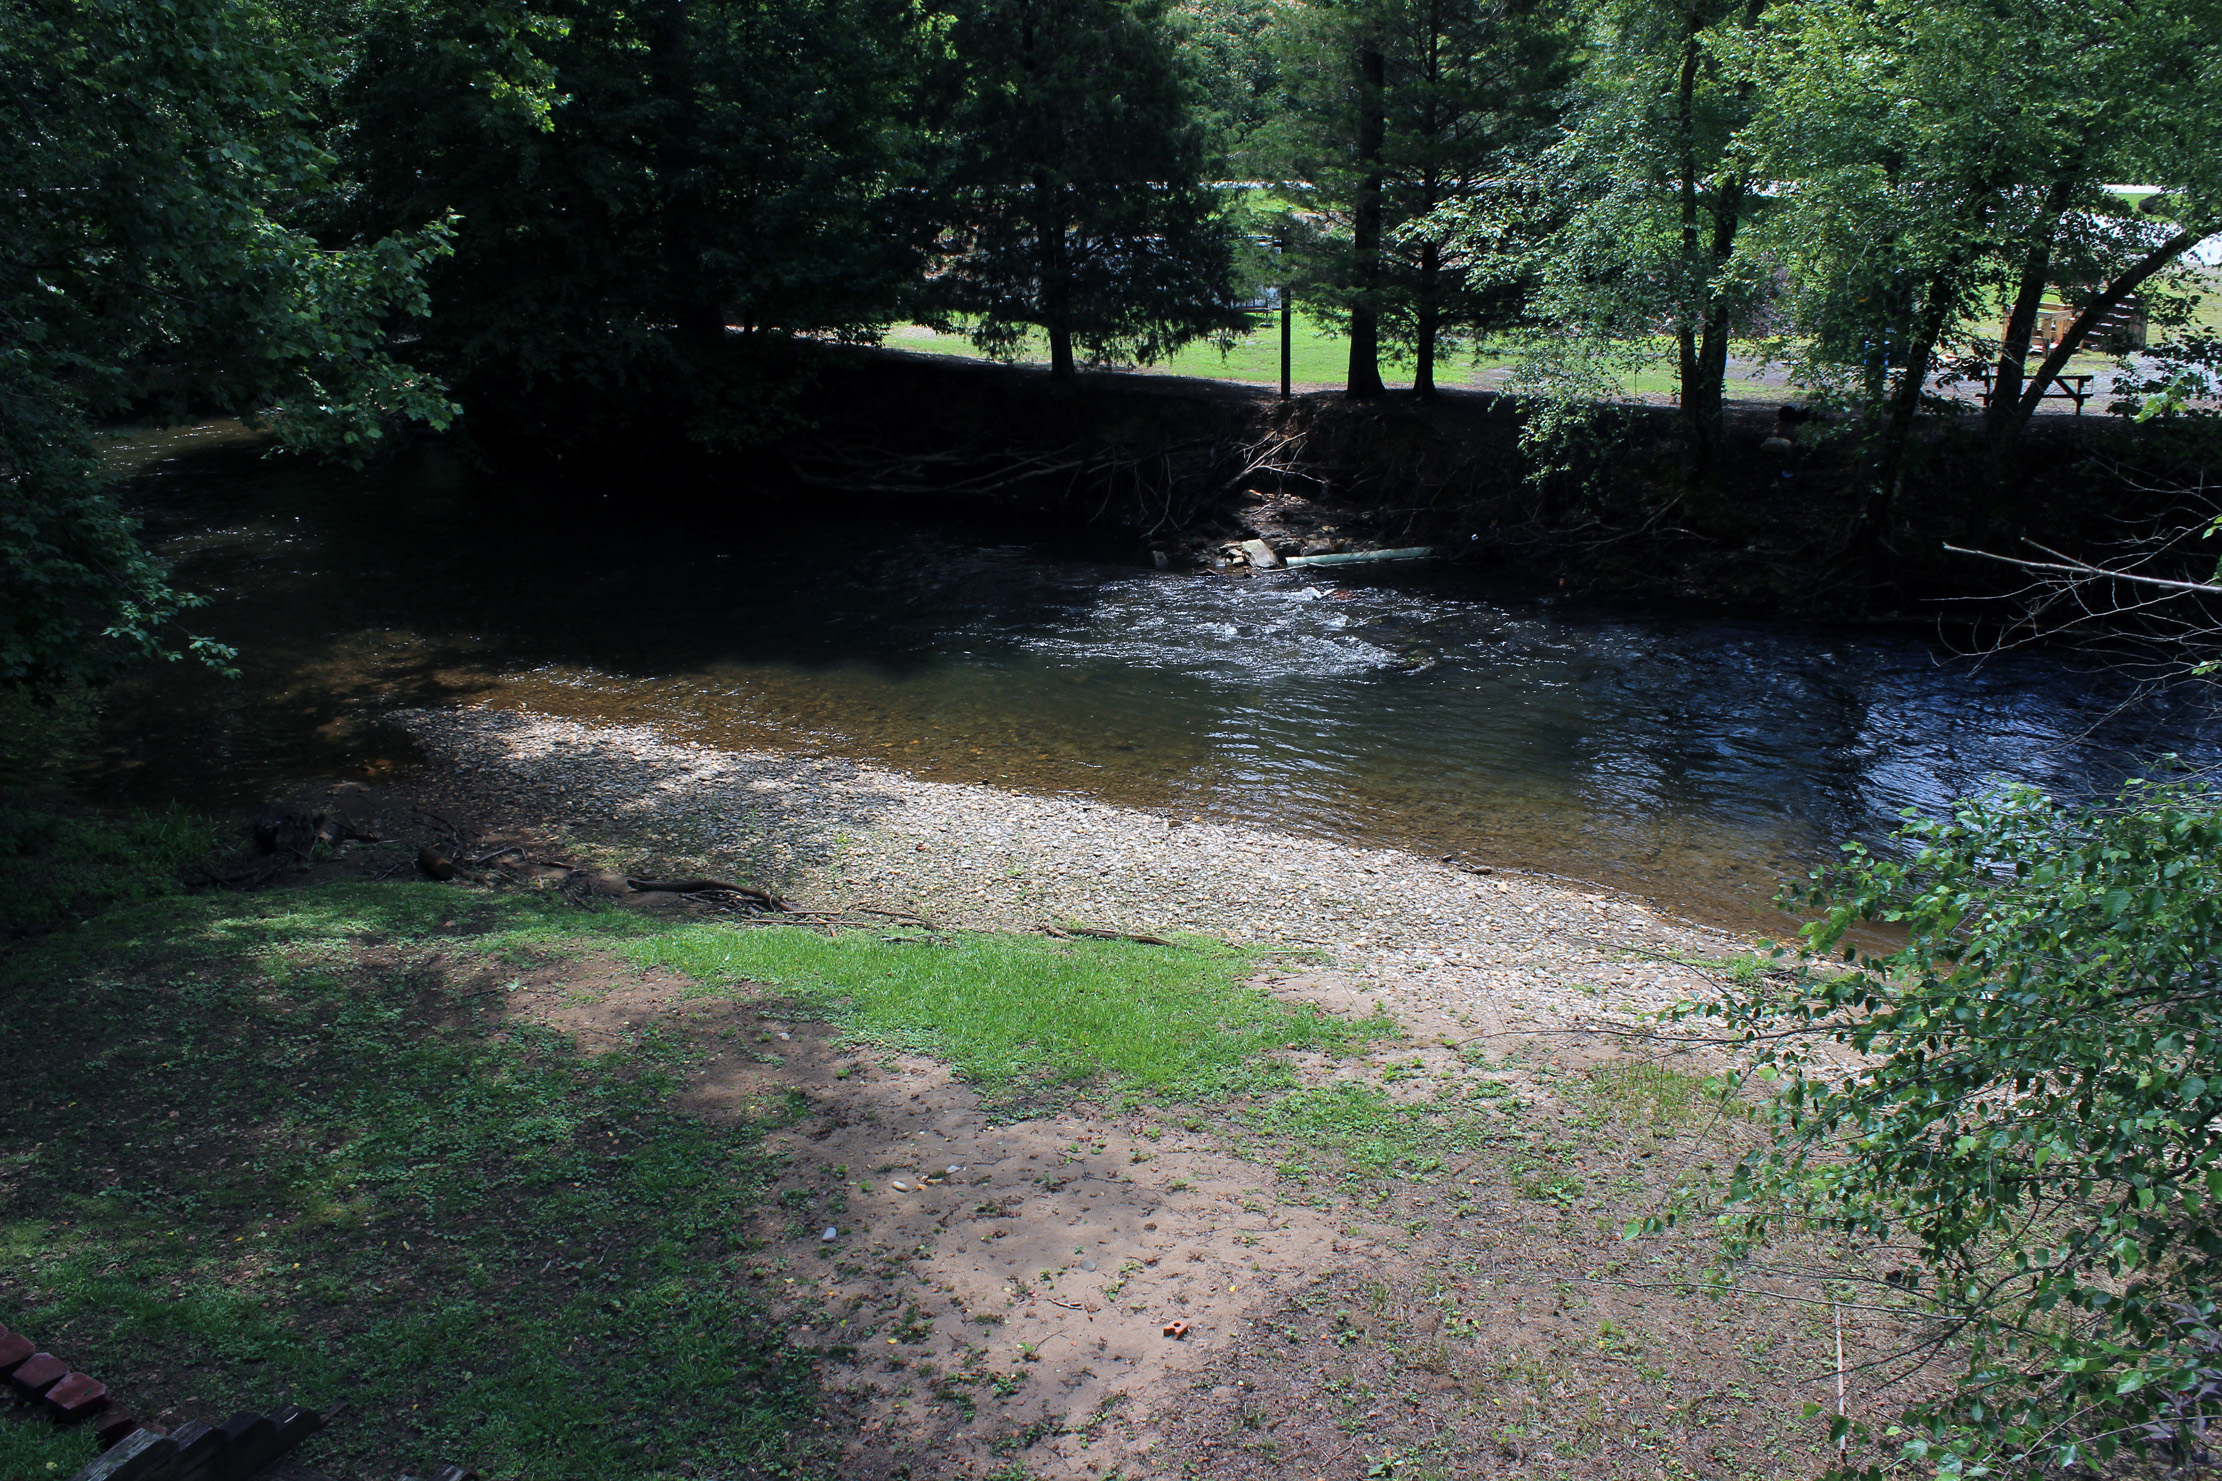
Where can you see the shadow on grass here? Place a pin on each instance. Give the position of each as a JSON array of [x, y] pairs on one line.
[[296, 1147], [259, 1152]]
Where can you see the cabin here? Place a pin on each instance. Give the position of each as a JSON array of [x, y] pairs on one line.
[[2122, 329]]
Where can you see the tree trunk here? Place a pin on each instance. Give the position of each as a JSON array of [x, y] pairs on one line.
[[1056, 305], [694, 298], [1427, 323], [1705, 393], [1689, 369], [2008, 374], [2008, 419], [1878, 510], [1427, 309], [1365, 228]]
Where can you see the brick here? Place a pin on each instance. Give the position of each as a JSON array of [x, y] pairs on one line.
[[39, 1372], [77, 1397], [13, 1350], [113, 1425], [139, 1456]]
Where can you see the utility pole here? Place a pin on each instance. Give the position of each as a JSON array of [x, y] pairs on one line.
[[1286, 340], [1280, 260]]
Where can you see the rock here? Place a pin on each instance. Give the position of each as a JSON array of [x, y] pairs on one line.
[[1261, 555], [1777, 444], [830, 1235]]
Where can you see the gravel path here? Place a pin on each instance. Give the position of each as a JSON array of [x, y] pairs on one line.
[[1437, 942]]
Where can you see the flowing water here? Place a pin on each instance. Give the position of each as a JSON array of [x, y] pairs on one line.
[[1688, 758]]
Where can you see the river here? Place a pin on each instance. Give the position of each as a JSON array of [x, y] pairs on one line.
[[1684, 757]]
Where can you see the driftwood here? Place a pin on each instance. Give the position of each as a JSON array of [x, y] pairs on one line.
[[763, 898], [1100, 934]]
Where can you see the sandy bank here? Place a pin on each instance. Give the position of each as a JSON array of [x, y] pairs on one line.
[[832, 832]]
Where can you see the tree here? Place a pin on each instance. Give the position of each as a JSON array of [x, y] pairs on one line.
[[1950, 162], [1331, 145], [651, 197], [1077, 203], [1228, 45], [152, 266], [1470, 83], [1652, 261]]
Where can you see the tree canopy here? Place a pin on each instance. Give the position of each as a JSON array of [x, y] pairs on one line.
[[578, 223], [153, 265]]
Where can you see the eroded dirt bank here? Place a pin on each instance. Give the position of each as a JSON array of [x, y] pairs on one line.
[[1184, 464]]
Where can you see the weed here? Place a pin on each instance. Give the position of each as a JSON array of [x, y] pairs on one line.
[[1364, 1125], [1633, 1092]]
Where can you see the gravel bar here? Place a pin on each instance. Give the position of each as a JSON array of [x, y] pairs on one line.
[[831, 832]]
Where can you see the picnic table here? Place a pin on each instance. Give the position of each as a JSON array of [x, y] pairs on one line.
[[2058, 389], [2076, 388]]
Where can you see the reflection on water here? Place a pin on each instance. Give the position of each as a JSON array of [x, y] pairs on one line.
[[1694, 760]]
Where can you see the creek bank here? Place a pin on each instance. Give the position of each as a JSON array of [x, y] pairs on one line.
[[831, 834], [1411, 1252], [1189, 466]]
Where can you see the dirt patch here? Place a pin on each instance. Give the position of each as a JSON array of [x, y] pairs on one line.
[[1411, 1266], [996, 1293]]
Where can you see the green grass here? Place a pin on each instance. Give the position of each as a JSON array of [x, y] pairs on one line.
[[1637, 1094], [287, 1148], [1012, 1012], [253, 1140], [1317, 357], [31, 1449], [1363, 1129], [57, 866]]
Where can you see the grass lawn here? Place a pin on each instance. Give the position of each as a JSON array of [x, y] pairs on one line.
[[284, 1148], [538, 1190], [1317, 358]]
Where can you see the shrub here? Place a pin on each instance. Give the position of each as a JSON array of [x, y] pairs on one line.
[[2033, 1120]]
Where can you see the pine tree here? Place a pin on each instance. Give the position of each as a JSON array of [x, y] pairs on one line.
[[1469, 82], [676, 170], [1397, 109], [1077, 203]]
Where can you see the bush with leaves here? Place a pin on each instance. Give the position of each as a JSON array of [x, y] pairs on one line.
[[151, 270], [2032, 1117]]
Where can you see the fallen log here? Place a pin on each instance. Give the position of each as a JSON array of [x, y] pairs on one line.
[[1103, 935], [765, 898]]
